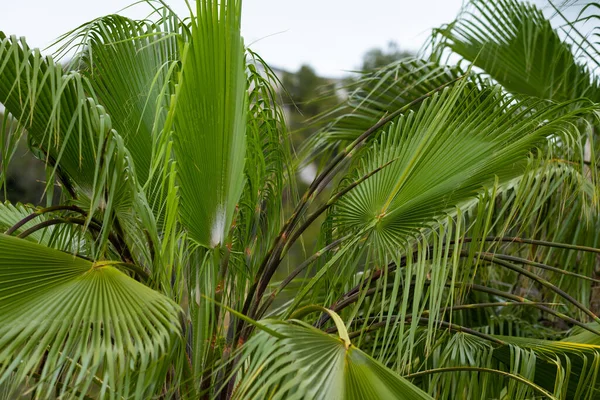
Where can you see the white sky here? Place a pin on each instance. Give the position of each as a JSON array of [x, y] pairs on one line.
[[330, 35]]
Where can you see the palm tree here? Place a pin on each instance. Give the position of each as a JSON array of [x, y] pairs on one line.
[[457, 207]]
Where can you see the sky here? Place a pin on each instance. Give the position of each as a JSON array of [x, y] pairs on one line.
[[329, 35]]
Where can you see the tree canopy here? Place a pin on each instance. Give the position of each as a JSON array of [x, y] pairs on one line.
[[456, 206]]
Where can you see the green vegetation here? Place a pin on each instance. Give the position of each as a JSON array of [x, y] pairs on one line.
[[456, 205], [378, 58]]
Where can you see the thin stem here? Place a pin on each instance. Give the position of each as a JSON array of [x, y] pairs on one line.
[[544, 266], [536, 242], [124, 251], [510, 296], [461, 307], [56, 221], [120, 244], [295, 273], [120, 247], [479, 369], [39, 212], [206, 379], [451, 326], [479, 288], [522, 271]]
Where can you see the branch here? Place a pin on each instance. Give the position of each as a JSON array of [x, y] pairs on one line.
[[533, 241]]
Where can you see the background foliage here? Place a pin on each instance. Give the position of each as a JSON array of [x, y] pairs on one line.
[[446, 245]]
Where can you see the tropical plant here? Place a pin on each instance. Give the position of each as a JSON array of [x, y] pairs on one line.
[[457, 253]]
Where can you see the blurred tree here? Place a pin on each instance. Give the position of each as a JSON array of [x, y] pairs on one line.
[[303, 88], [307, 95], [377, 57]]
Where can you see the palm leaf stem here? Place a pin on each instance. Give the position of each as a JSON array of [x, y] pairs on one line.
[[56, 221], [206, 380], [120, 247], [270, 262], [469, 286], [544, 266], [42, 211], [119, 235], [519, 240], [524, 381], [295, 273], [522, 271], [444, 324], [382, 323], [510, 296]]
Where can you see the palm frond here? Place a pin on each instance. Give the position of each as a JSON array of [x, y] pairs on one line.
[[379, 93], [129, 65], [310, 364], [269, 173], [54, 108], [78, 327], [69, 128], [517, 46], [209, 111], [568, 367], [444, 154]]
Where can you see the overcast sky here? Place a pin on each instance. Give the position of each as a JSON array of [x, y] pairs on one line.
[[330, 35]]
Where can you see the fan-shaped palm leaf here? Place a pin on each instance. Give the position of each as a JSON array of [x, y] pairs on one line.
[[444, 153], [209, 111], [309, 364], [518, 47], [80, 327]]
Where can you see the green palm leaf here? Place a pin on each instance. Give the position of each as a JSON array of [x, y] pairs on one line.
[[577, 357], [210, 121], [513, 42], [69, 127], [377, 94], [78, 326], [453, 147], [128, 66], [54, 108], [310, 364]]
